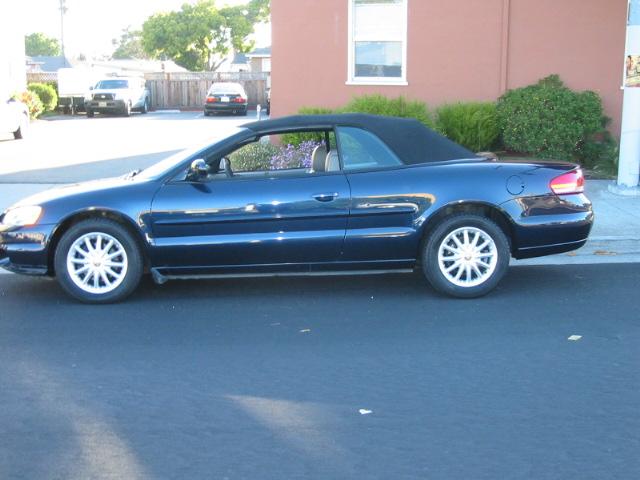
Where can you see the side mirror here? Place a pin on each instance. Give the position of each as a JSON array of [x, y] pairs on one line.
[[91, 88], [198, 169]]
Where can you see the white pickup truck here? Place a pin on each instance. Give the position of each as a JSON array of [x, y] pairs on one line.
[[118, 95]]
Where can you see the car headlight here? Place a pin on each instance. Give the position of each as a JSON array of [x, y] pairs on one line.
[[22, 216]]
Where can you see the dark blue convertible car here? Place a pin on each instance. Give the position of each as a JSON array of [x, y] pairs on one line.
[[302, 195]]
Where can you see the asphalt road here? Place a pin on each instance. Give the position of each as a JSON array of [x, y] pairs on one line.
[[264, 379]]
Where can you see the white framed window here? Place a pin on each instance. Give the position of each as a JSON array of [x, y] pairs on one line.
[[377, 42]]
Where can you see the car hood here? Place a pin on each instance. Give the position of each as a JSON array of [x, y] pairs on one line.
[[65, 191], [116, 91]]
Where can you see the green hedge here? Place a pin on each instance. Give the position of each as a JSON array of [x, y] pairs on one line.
[[254, 156], [32, 101], [473, 125], [296, 139], [546, 120], [549, 120], [47, 95], [393, 107]]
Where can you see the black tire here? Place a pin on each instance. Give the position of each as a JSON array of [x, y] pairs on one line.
[[90, 114], [431, 264], [206, 114], [134, 261], [22, 130]]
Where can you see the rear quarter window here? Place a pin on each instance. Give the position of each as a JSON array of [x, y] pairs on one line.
[[362, 150]]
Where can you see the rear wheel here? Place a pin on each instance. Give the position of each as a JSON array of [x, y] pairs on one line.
[[90, 113], [465, 256], [21, 132], [98, 261]]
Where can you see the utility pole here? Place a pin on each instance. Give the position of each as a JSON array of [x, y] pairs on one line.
[[63, 10], [629, 162]]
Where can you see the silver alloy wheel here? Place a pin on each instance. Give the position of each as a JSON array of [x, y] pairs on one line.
[[97, 263], [467, 257]]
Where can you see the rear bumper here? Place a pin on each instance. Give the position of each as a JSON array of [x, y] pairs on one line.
[[549, 224], [25, 249], [225, 107]]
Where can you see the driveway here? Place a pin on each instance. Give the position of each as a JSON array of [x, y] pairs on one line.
[[66, 149]]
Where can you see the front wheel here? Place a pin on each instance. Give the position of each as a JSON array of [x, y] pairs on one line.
[[98, 261], [21, 132], [465, 256]]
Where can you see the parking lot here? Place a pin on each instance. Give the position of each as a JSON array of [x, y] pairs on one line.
[[64, 149]]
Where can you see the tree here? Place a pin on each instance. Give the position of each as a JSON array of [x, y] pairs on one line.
[[199, 36], [129, 45], [39, 44]]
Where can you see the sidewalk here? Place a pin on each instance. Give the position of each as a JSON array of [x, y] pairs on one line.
[[615, 237]]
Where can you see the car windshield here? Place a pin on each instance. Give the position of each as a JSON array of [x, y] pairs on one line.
[[104, 84], [225, 88], [164, 166]]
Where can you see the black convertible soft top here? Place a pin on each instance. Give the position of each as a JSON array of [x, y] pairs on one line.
[[408, 138]]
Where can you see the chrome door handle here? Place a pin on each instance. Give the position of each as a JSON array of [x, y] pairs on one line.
[[325, 197]]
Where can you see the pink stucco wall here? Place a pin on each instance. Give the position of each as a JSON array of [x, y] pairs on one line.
[[463, 50]]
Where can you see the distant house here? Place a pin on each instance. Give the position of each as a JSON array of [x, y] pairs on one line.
[[44, 63], [240, 63], [137, 67], [259, 59]]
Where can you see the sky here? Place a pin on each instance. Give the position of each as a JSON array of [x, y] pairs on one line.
[[90, 25]]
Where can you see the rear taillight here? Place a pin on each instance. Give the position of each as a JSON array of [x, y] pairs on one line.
[[571, 182], [239, 100], [211, 99]]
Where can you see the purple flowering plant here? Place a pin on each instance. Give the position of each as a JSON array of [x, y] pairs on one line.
[[294, 156]]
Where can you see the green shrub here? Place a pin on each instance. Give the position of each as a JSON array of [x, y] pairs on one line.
[[47, 95], [32, 101], [296, 139], [393, 107], [253, 157], [473, 124], [600, 153], [548, 119]]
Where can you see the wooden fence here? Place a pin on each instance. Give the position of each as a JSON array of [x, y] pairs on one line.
[[42, 77], [189, 89]]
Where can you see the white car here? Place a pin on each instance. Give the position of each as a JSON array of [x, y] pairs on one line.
[[14, 118], [118, 95]]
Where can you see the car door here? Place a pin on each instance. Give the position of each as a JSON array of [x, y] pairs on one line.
[[386, 203], [268, 220]]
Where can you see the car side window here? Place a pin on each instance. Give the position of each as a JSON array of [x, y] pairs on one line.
[[362, 150], [281, 155]]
